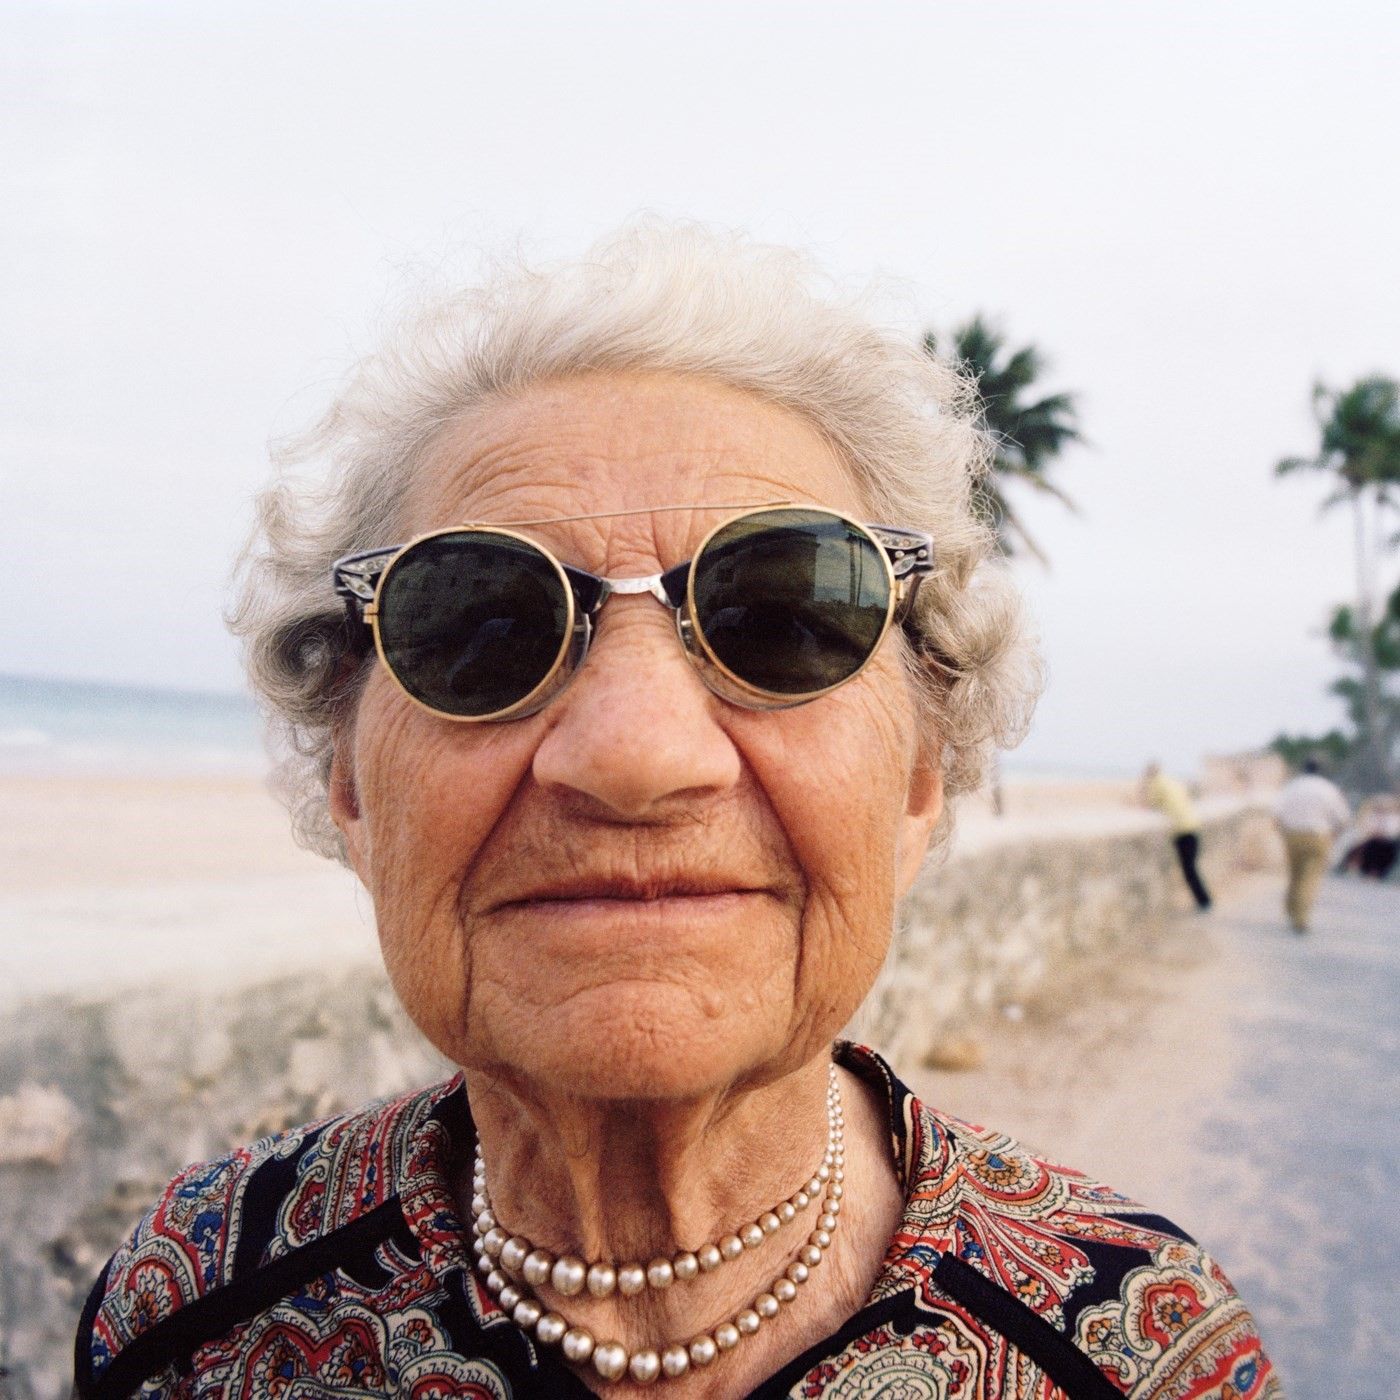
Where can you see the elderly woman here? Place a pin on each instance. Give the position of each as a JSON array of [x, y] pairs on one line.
[[630, 649]]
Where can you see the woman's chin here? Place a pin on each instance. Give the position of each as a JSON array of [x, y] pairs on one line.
[[646, 1041]]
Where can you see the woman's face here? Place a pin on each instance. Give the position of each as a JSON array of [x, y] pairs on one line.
[[642, 891]]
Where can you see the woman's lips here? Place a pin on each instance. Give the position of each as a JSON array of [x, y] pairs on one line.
[[608, 890], [634, 906], [668, 912]]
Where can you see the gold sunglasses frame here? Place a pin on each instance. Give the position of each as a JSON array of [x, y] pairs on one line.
[[720, 679]]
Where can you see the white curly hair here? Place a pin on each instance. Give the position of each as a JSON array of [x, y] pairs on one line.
[[657, 296]]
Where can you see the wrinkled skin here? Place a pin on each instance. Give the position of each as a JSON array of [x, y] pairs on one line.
[[645, 1056]]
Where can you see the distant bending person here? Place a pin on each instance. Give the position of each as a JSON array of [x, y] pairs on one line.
[[1377, 844], [1311, 812], [1169, 796]]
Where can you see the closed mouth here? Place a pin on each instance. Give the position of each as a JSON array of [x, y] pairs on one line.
[[628, 891]]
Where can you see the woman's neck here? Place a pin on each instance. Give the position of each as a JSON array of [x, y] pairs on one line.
[[627, 1180], [632, 1182]]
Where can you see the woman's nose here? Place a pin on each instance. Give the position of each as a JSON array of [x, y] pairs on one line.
[[637, 732]]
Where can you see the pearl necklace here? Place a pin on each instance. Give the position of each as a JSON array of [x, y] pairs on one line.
[[512, 1265]]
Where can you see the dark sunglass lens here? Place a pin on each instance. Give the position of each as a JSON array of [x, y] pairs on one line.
[[471, 622], [791, 601]]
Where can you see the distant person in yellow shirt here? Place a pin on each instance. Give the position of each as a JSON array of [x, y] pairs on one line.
[[1170, 797]]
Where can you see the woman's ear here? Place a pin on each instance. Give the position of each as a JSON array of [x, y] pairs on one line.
[[923, 805], [343, 799]]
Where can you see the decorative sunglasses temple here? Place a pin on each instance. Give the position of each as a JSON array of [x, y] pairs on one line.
[[356, 576], [910, 554]]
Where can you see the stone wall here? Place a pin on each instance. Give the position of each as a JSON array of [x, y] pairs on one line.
[[992, 926], [103, 1098]]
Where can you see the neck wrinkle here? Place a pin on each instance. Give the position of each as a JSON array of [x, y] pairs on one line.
[[608, 1179]]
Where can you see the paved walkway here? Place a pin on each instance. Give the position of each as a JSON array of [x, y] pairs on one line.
[[1245, 1082], [1306, 1145]]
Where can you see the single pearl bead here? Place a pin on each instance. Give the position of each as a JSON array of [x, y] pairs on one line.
[[675, 1360], [494, 1240], [703, 1350], [577, 1344], [709, 1256], [820, 1238], [748, 1322], [823, 1172], [527, 1312], [731, 1247], [832, 1205], [537, 1267], [644, 1367], [478, 1249], [826, 1222], [510, 1296], [810, 1255], [814, 1186], [479, 1204], [798, 1271], [487, 1221], [686, 1266], [661, 1273], [631, 1279], [495, 1281], [752, 1235], [568, 1275], [513, 1254], [836, 1190], [550, 1329], [769, 1223], [800, 1200], [766, 1305], [786, 1211], [610, 1360], [784, 1290], [602, 1279], [726, 1336]]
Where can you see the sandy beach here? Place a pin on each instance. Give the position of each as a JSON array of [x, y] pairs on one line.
[[105, 880]]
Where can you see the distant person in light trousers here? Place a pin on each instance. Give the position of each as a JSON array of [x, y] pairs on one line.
[[1311, 813], [1169, 796]]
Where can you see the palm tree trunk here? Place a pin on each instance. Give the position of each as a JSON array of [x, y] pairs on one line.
[[1374, 746]]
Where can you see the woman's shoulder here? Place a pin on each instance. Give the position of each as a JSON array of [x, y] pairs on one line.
[[1126, 1286], [216, 1223]]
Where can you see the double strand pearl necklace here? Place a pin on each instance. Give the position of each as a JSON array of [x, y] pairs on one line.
[[512, 1266]]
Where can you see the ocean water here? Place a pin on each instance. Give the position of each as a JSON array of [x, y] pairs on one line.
[[56, 726]]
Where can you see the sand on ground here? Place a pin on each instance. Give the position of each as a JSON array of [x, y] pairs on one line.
[[105, 881]]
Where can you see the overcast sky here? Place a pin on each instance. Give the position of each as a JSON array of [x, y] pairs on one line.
[[1192, 207]]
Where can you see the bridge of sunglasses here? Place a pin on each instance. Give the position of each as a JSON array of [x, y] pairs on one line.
[[591, 591]]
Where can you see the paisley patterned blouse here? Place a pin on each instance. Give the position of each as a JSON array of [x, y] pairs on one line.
[[331, 1261]]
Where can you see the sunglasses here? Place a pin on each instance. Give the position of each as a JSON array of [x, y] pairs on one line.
[[779, 605]]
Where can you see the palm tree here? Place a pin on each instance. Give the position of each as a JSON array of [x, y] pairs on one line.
[[1359, 446], [1027, 435]]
